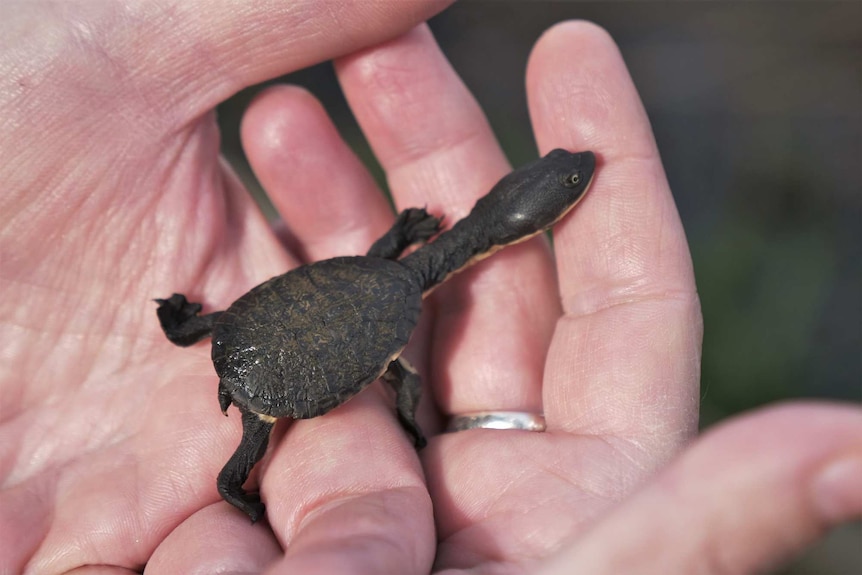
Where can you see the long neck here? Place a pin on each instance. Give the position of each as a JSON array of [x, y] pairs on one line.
[[451, 252]]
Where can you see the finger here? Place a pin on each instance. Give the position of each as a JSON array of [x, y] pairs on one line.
[[746, 497], [345, 494], [626, 357], [212, 50], [327, 199], [344, 491], [215, 539], [438, 150]]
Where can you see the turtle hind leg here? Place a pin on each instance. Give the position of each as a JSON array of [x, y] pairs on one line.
[[252, 446], [412, 226], [180, 320], [408, 389]]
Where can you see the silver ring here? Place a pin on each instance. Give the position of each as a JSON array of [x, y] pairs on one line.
[[497, 420]]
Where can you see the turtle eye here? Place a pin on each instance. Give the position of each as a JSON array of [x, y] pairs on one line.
[[572, 180]]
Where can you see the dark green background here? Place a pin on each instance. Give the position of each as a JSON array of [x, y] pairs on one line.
[[757, 110]]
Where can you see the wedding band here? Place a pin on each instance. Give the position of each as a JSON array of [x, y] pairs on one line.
[[497, 420]]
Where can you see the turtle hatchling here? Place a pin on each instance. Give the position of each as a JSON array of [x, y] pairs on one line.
[[303, 343]]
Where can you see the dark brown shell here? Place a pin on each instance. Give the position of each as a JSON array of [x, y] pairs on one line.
[[304, 342]]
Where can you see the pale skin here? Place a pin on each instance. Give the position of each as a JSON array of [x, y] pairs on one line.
[[114, 193]]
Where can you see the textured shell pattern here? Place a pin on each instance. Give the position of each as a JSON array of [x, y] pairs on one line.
[[305, 342]]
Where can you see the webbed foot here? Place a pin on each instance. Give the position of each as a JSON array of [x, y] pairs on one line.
[[180, 320], [413, 225], [250, 504], [418, 225]]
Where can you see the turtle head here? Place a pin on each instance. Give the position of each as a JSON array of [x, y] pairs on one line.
[[534, 197]]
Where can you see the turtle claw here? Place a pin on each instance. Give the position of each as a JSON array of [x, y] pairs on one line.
[[253, 507], [224, 398]]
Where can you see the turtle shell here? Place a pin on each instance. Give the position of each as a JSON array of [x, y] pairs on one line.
[[304, 342]]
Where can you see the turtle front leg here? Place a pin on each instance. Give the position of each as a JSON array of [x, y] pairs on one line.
[[412, 226], [252, 446], [180, 320], [408, 389]]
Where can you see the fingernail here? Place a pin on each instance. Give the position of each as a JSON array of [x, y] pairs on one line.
[[838, 489]]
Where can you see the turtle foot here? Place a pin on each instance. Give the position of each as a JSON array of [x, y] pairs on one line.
[[419, 225], [176, 310], [251, 505], [180, 320], [412, 226]]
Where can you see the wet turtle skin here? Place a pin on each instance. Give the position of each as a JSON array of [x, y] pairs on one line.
[[288, 348], [303, 343]]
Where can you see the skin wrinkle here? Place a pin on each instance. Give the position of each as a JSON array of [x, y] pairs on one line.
[[65, 322], [151, 504], [596, 104], [118, 45], [573, 482], [530, 551], [207, 208], [420, 170], [63, 74], [632, 283], [577, 306], [304, 517], [47, 447], [115, 244], [320, 506], [394, 98], [642, 453], [489, 510], [592, 401]]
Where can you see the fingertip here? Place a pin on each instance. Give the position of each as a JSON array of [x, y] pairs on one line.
[[581, 95], [559, 35], [273, 121], [324, 194], [837, 488]]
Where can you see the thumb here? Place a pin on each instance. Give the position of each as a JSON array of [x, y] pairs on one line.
[[196, 52], [218, 48], [746, 497]]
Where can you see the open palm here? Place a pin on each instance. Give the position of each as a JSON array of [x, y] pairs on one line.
[[111, 438]]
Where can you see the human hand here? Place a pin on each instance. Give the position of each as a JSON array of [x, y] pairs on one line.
[[615, 368], [344, 490], [114, 191]]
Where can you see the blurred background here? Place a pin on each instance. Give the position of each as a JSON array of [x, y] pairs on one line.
[[757, 110]]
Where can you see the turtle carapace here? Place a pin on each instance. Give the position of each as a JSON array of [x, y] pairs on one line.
[[302, 343]]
